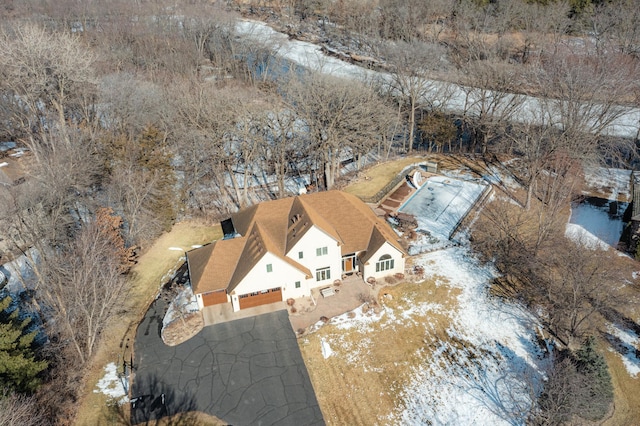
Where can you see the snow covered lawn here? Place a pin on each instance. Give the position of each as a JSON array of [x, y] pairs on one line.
[[442, 351]]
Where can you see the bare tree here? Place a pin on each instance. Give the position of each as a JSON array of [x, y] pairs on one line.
[[131, 103], [410, 67], [615, 24], [490, 102], [576, 287], [141, 182], [282, 144], [339, 117], [19, 410], [85, 285], [205, 118], [46, 76], [582, 93]]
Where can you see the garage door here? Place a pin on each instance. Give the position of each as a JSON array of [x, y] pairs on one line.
[[214, 298], [260, 298]]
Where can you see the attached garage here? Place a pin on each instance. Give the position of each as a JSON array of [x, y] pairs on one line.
[[214, 298], [260, 298]]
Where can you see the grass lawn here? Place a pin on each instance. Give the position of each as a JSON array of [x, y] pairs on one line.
[[375, 178], [625, 391], [146, 278], [360, 383]]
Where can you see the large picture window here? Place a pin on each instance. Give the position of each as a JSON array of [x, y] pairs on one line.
[[323, 274], [385, 263]]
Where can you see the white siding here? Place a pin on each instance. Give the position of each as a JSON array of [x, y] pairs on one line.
[[282, 275], [370, 267], [313, 239], [199, 300]]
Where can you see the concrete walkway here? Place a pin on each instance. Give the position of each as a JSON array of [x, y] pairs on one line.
[[244, 372]]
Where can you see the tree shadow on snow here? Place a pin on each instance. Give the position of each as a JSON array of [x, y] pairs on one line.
[[506, 384]]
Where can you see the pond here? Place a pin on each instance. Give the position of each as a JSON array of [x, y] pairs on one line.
[[600, 217]]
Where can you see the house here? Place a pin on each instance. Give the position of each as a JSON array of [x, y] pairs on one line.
[[282, 249]]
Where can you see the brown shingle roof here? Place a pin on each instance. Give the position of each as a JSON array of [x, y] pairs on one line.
[[211, 267], [351, 218], [377, 240], [276, 226]]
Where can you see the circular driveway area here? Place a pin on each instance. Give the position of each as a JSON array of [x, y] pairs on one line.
[[245, 372]]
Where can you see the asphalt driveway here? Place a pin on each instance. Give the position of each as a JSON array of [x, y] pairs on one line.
[[245, 372]]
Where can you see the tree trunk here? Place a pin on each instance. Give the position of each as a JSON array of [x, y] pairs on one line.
[[412, 123], [236, 187]]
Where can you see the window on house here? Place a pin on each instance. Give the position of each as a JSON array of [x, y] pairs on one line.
[[385, 263], [320, 251], [323, 274], [269, 267], [297, 284], [300, 255]]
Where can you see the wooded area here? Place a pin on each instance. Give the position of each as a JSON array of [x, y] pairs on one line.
[[138, 114]]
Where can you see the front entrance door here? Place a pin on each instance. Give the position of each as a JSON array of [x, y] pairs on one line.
[[349, 263]]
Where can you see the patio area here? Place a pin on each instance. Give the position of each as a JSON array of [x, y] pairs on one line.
[[348, 295]]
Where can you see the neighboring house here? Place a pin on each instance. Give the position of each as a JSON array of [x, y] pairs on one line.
[[281, 249]]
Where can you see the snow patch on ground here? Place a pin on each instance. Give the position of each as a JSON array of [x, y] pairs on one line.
[[497, 176], [611, 182], [483, 374], [354, 319], [627, 343], [175, 249], [578, 234], [326, 349], [184, 303], [111, 384]]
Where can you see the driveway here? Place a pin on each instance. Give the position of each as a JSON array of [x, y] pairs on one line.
[[245, 372]]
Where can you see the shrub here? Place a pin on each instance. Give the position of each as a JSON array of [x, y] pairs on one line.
[[599, 396]]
